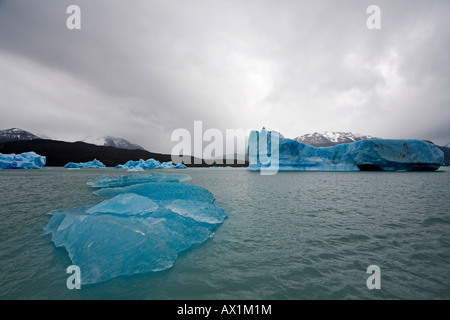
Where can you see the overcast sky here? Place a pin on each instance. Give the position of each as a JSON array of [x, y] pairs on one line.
[[140, 69]]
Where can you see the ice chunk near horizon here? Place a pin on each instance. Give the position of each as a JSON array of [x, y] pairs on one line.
[[136, 178], [26, 160], [149, 164], [143, 228], [140, 165], [167, 165], [81, 165], [374, 154]]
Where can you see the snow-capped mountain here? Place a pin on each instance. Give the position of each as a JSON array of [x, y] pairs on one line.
[[16, 134], [328, 139], [115, 142]]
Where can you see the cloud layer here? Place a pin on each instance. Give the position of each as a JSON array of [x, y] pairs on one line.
[[140, 69]]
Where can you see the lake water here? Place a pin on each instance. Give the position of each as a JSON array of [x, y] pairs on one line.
[[294, 235]]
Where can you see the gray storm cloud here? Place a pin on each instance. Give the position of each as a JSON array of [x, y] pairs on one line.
[[140, 69]]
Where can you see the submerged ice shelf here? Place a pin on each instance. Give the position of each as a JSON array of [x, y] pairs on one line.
[[142, 228], [375, 154], [26, 160]]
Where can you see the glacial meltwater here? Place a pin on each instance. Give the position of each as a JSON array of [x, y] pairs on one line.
[[293, 235]]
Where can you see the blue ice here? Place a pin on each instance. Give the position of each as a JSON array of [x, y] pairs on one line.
[[149, 164], [90, 164], [374, 154], [142, 228], [26, 160]]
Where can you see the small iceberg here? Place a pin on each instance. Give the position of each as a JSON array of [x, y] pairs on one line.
[[149, 164], [140, 165], [26, 160], [170, 165], [90, 164]]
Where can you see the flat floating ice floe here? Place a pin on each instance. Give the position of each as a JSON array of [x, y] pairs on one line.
[[142, 228]]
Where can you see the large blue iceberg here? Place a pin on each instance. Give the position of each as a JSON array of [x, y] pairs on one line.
[[269, 148], [26, 160], [90, 164], [142, 228], [149, 164]]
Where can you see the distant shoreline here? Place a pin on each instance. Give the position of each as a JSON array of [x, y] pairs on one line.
[[59, 153]]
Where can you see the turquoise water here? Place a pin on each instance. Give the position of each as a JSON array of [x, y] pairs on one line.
[[294, 235]]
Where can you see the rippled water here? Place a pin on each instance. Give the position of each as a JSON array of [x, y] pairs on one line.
[[294, 235]]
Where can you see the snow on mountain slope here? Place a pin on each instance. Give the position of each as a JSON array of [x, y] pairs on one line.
[[115, 142], [99, 141], [16, 134], [328, 139]]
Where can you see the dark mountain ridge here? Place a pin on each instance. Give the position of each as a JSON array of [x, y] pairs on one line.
[[59, 153], [16, 134]]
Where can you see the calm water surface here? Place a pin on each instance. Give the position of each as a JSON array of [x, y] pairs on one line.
[[294, 235]]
